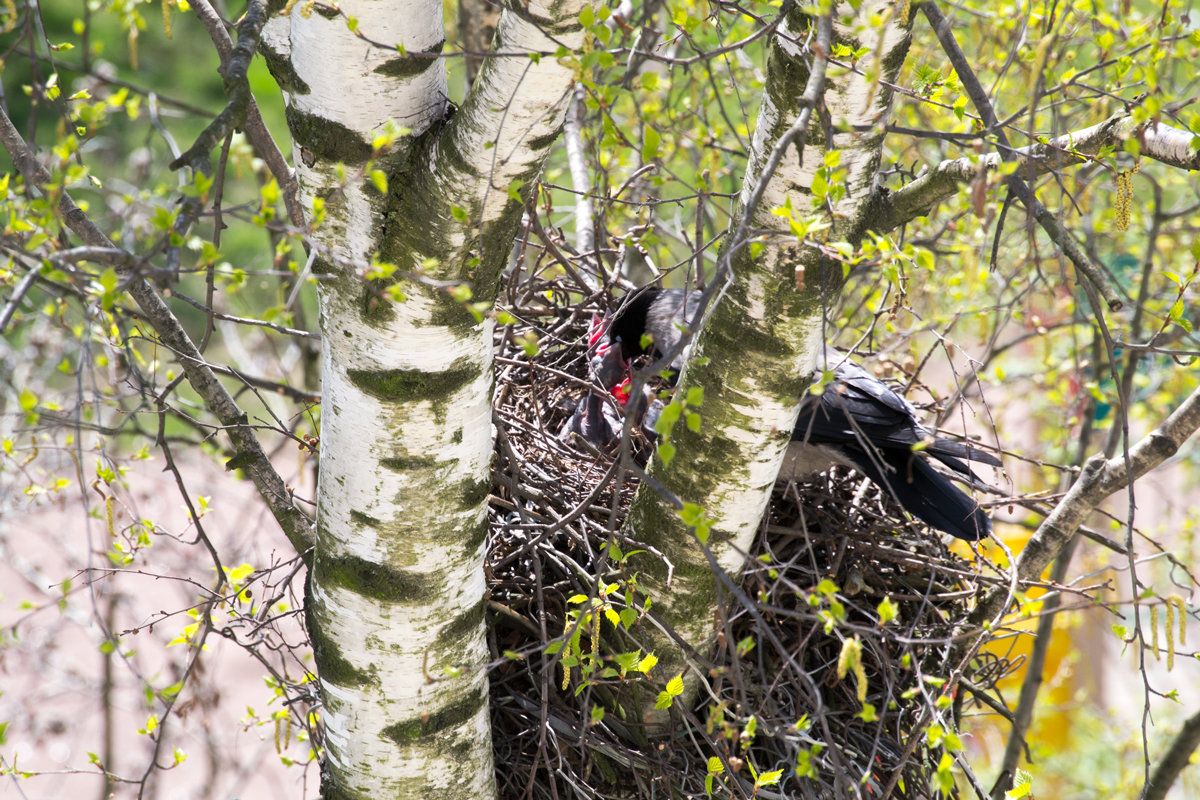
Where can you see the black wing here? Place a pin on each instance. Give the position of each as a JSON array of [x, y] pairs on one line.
[[922, 491], [874, 429], [856, 407], [660, 314]]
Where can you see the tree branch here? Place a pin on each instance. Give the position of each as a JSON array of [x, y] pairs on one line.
[[1177, 757], [235, 65], [514, 111], [1035, 669], [1160, 142], [249, 453], [585, 235], [1099, 479], [1061, 237], [253, 126]]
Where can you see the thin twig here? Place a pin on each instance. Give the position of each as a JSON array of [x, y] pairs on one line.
[[250, 455], [1173, 762], [1061, 237]]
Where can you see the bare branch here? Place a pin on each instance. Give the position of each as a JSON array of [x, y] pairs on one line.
[[25, 284], [1159, 142], [1084, 264], [237, 87], [1099, 479], [1177, 757], [253, 126], [585, 236], [249, 453], [1035, 670]]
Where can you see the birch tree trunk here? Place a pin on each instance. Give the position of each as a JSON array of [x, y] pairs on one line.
[[755, 352], [396, 607]]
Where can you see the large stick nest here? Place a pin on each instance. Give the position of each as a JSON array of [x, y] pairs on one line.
[[831, 552]]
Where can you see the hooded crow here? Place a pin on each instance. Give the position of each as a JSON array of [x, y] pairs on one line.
[[857, 421]]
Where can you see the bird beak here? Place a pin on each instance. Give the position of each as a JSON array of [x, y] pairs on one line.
[[597, 329], [621, 392], [607, 366]]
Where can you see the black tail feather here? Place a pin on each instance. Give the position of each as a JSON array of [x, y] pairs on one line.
[[924, 492], [949, 452]]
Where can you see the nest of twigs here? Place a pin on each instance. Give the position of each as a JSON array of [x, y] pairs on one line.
[[831, 553]]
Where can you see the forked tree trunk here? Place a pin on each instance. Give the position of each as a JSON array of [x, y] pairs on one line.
[[396, 607], [760, 342]]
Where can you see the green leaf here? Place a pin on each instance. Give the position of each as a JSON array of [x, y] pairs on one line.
[[514, 190], [529, 343], [201, 183], [819, 187], [944, 779], [887, 611], [162, 219], [768, 778], [666, 421], [849, 658], [1021, 788], [805, 767], [379, 181], [651, 141]]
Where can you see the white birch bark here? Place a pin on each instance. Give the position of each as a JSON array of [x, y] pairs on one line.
[[396, 605], [761, 340], [934, 184]]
